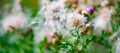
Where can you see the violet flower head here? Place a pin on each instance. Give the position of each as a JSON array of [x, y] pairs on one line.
[[90, 9]]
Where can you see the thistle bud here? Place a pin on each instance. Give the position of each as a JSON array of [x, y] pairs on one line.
[[90, 9], [54, 40], [84, 13], [88, 25], [81, 32], [79, 10], [74, 5]]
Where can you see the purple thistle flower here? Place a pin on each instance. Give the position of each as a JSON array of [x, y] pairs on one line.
[[90, 9]]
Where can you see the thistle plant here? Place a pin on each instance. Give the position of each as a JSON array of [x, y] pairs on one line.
[[61, 26]]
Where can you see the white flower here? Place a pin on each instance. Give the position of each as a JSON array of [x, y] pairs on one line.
[[74, 17], [102, 22], [51, 12], [16, 21], [45, 2], [105, 3]]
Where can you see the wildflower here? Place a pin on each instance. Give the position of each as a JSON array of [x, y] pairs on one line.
[[75, 19], [51, 12], [105, 3], [54, 40], [75, 22], [79, 10], [16, 21], [74, 5], [81, 32], [102, 22], [90, 9], [84, 12], [45, 2], [88, 25]]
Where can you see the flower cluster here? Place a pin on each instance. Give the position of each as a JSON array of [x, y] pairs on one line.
[[61, 26]]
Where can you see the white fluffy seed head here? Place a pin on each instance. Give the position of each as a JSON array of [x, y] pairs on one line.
[[105, 3], [76, 19], [16, 21], [102, 22], [84, 12]]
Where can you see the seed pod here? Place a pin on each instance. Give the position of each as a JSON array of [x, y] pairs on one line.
[[74, 5], [88, 25], [81, 32], [54, 40], [84, 12], [79, 10]]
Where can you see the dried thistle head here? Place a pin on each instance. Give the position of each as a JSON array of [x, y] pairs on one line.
[[74, 5], [81, 31], [55, 40], [75, 22], [84, 12], [79, 10], [106, 13], [16, 21], [105, 3], [88, 25], [75, 19]]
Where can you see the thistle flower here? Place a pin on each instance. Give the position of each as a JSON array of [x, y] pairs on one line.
[[90, 9], [51, 12], [84, 13], [88, 25], [16, 21], [79, 10], [102, 22], [54, 40], [70, 2], [105, 3], [76, 20], [45, 2]]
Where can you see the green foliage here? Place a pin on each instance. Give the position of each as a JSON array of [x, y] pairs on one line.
[[31, 5]]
